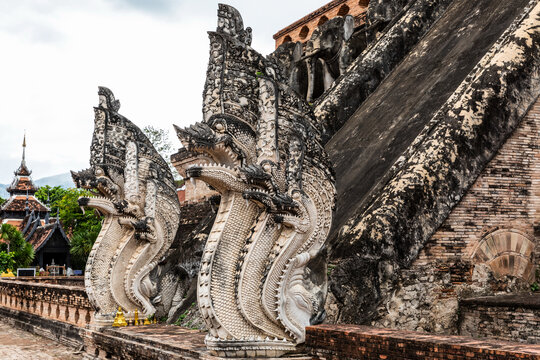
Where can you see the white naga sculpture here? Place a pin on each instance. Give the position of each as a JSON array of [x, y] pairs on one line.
[[135, 190], [261, 279]]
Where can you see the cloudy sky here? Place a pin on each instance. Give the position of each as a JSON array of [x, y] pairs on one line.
[[151, 53]]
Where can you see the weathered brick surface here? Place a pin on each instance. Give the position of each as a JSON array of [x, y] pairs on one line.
[[502, 317], [191, 214], [505, 196], [486, 246], [361, 342]]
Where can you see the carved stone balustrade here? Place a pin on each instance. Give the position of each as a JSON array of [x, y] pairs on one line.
[[63, 303]]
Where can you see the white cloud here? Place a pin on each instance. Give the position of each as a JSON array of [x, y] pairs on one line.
[[152, 54]]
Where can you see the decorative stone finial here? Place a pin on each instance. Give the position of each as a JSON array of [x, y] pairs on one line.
[[107, 100], [230, 22]]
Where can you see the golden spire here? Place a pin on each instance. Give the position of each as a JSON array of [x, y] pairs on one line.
[[23, 170], [24, 146]]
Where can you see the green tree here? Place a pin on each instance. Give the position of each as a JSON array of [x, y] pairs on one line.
[[82, 227], [6, 261], [72, 217], [81, 245], [2, 201], [14, 243], [160, 139], [51, 196]]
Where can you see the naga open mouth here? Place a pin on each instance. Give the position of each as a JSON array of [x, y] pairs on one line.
[[104, 193], [221, 177], [99, 185], [102, 204]]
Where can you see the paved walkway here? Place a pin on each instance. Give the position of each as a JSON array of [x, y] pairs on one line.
[[16, 344]]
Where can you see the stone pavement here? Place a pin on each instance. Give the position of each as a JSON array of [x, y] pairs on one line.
[[17, 344]]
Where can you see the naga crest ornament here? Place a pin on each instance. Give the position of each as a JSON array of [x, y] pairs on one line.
[[262, 278], [135, 191]]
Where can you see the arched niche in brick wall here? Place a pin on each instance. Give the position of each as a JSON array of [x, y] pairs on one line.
[[303, 32], [343, 10], [322, 20], [508, 252]]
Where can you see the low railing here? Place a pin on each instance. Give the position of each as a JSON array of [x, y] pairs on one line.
[[60, 280], [61, 302]]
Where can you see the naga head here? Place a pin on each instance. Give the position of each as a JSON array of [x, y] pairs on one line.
[[112, 176], [227, 144], [104, 178], [245, 143]]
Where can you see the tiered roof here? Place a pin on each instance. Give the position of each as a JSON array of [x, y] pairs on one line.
[[22, 183], [37, 233], [22, 200], [20, 203], [26, 212]]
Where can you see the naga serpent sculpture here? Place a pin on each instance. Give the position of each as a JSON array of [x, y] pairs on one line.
[[262, 279], [135, 190]]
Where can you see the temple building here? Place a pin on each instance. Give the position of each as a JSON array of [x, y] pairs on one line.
[[24, 211]]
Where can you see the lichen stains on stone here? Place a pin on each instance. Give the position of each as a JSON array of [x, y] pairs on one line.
[[529, 29], [513, 52], [430, 176], [368, 70]]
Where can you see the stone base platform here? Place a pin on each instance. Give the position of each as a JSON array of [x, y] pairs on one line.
[[152, 342], [147, 342], [323, 342]]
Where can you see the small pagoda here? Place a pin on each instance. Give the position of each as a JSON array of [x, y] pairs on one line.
[[22, 200], [24, 211]]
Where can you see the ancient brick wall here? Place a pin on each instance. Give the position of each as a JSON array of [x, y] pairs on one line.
[[501, 317], [302, 29], [325, 342], [487, 245], [68, 304], [191, 215]]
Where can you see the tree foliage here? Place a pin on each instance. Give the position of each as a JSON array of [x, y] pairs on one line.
[[160, 139], [51, 196], [6, 261], [81, 245], [2, 201], [82, 228], [13, 242], [65, 201], [71, 214]]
